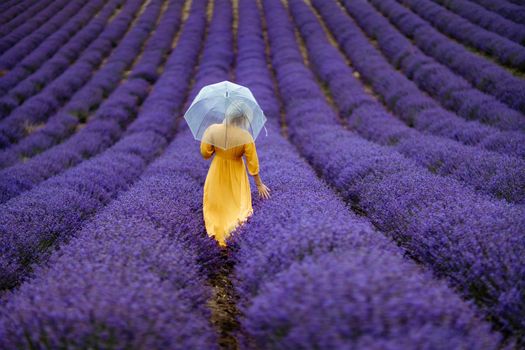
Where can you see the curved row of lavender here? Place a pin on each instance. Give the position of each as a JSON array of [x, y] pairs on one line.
[[52, 57], [302, 283], [7, 4], [31, 25], [15, 14], [16, 44], [502, 49], [104, 95], [496, 174], [489, 20], [128, 221], [10, 9], [517, 2], [48, 46], [84, 189], [484, 74], [476, 243], [506, 9], [75, 112], [143, 267], [91, 99], [28, 78], [54, 95], [451, 90], [157, 223], [403, 97]]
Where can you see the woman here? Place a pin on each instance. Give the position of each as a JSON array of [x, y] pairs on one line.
[[227, 201]]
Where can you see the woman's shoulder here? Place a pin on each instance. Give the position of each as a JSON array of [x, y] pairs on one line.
[[242, 134], [247, 137], [214, 127]]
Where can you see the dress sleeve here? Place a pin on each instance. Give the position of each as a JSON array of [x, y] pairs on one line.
[[251, 157], [206, 150]]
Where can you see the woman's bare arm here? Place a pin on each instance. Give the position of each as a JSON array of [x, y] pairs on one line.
[[264, 191]]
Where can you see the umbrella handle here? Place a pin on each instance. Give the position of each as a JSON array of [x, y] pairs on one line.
[[265, 130]]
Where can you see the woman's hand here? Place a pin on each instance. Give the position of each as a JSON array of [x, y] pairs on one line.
[[264, 191]]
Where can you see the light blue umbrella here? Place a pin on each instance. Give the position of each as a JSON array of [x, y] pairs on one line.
[[227, 108]]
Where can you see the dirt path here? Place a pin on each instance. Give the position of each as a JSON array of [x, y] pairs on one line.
[[223, 304]]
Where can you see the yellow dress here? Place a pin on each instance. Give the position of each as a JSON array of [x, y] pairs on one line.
[[227, 200]]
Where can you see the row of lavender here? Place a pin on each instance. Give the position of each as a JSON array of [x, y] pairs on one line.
[[14, 13], [60, 204], [473, 241], [51, 58], [309, 273], [87, 100], [416, 109], [141, 261], [39, 23], [485, 75], [55, 126], [56, 92], [112, 106], [68, 23], [155, 229], [496, 174], [487, 19], [105, 275], [273, 295], [502, 49], [11, 156], [514, 12], [451, 90]]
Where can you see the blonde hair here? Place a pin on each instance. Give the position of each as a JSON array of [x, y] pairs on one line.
[[238, 113]]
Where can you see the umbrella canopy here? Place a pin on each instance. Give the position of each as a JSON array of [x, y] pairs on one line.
[[225, 115]]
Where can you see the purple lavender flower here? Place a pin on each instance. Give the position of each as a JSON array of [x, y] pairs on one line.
[[475, 242]]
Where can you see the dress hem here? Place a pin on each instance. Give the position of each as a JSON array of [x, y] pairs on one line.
[[233, 227]]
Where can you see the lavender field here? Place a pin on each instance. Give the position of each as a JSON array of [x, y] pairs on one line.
[[395, 155]]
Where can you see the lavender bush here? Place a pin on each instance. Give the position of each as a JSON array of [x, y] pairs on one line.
[[110, 121], [499, 175], [397, 175], [124, 282], [163, 206], [15, 13], [474, 242], [83, 190], [350, 300], [39, 107], [489, 20], [403, 97], [451, 90], [482, 73], [506, 9], [86, 101], [43, 63], [18, 46], [31, 25], [302, 281], [502, 49]]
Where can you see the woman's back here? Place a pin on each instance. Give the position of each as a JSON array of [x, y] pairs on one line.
[[227, 199], [227, 138]]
